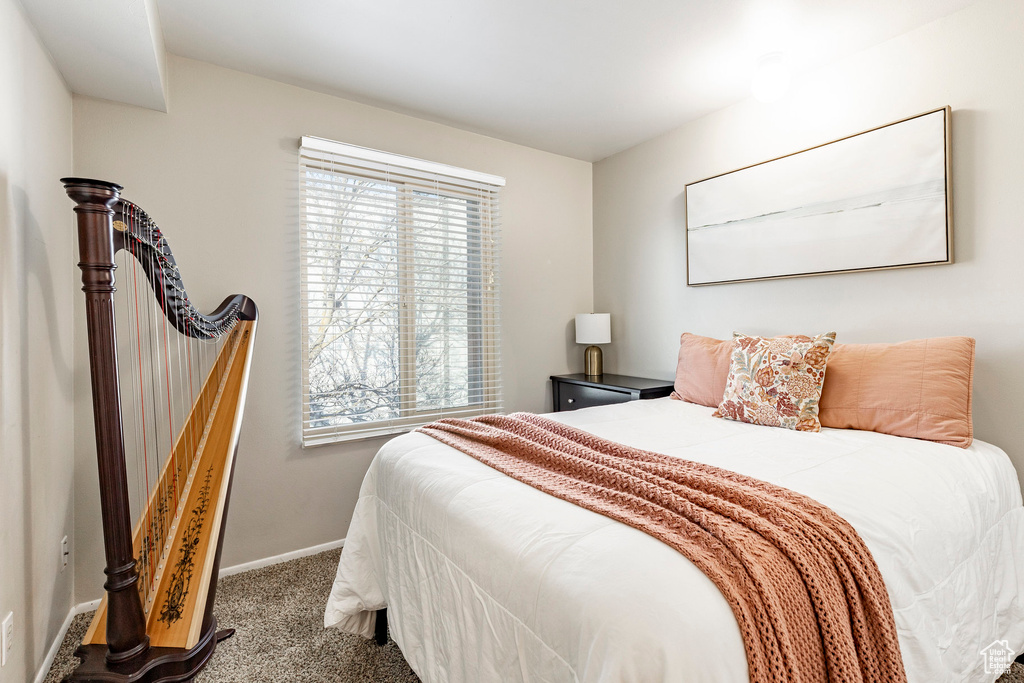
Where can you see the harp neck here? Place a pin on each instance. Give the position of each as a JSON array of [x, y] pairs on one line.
[[139, 235]]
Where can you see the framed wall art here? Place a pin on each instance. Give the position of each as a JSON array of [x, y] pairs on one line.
[[873, 200]]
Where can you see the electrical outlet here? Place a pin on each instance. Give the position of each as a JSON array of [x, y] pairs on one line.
[[64, 552], [6, 637]]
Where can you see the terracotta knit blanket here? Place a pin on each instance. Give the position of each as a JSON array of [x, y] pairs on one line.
[[809, 600]]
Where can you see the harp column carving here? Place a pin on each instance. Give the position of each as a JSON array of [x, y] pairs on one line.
[[126, 634]]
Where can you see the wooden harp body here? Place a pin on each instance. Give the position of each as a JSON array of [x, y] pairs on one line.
[[168, 389]]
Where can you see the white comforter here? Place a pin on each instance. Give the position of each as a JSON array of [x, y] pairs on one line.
[[487, 579]]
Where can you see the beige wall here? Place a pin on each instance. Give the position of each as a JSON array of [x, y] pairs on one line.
[[219, 173], [972, 61], [36, 292]]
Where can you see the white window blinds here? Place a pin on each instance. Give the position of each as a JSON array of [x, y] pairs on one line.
[[399, 292]]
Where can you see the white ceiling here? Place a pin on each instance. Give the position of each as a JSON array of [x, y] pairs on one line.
[[584, 78], [111, 49]]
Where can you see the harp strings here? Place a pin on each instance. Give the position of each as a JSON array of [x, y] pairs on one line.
[[168, 387], [136, 401]]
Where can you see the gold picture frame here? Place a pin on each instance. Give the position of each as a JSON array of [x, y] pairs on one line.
[[874, 200]]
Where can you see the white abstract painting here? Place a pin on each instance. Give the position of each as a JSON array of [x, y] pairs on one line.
[[872, 200]]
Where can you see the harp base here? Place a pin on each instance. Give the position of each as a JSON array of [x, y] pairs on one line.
[[156, 665]]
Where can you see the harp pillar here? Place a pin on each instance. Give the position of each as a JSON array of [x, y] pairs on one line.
[[126, 634]]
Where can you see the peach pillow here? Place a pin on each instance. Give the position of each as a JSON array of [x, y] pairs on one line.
[[702, 369], [920, 388]]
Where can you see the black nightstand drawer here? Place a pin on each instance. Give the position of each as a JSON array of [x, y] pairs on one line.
[[570, 392], [574, 396]]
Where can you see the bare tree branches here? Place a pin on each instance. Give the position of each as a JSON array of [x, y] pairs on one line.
[[392, 277]]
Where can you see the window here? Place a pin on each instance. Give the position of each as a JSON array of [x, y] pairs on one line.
[[399, 292]]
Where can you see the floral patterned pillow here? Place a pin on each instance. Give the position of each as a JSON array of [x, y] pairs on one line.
[[776, 381]]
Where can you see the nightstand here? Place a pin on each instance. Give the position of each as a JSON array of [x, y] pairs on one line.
[[579, 391]]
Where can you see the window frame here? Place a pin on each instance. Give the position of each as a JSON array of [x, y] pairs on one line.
[[487, 367]]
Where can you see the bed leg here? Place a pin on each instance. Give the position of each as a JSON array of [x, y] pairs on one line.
[[380, 629]]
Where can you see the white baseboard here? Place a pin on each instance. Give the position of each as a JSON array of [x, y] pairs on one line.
[[285, 557], [237, 569], [84, 607], [51, 654]]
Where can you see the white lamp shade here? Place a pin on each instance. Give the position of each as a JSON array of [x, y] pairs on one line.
[[594, 328]]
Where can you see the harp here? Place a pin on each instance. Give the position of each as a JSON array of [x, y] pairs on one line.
[[168, 389]]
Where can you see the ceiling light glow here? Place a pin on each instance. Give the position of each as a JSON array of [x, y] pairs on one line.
[[772, 78]]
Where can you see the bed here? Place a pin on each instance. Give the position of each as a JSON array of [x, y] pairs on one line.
[[488, 579]]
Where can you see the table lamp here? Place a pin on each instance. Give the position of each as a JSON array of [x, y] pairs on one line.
[[593, 328]]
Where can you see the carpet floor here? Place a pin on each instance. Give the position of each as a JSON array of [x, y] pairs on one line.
[[278, 614]]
